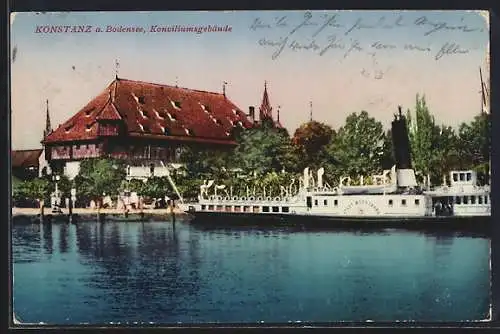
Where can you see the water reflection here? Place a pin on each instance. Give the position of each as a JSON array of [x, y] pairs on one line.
[[63, 238], [48, 242], [102, 272]]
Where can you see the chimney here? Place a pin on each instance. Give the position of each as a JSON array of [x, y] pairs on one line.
[[251, 113]]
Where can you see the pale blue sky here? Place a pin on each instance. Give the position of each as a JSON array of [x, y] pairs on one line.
[[337, 86]]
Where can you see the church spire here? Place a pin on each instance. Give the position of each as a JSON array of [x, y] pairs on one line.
[[48, 128], [265, 107]]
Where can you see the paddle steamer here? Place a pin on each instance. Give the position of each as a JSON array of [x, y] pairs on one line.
[[393, 196]]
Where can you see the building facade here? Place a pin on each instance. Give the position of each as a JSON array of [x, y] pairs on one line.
[[148, 125]]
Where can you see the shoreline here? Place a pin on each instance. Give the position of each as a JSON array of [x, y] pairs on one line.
[[86, 214]]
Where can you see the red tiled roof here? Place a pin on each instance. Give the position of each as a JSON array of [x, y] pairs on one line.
[[159, 110], [25, 158]]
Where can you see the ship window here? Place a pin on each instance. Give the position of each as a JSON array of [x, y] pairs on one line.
[[285, 209], [325, 202], [469, 176], [417, 202], [276, 209], [462, 177], [485, 199], [479, 199], [203, 207], [466, 200], [315, 202], [390, 202], [458, 200], [455, 177], [336, 202], [403, 202], [265, 209]]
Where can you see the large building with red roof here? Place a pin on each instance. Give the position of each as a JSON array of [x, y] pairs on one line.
[[148, 123]]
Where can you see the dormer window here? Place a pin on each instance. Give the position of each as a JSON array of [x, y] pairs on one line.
[[189, 132], [231, 121], [146, 128], [240, 123], [141, 100], [88, 112], [205, 108], [216, 121], [142, 127], [227, 134], [172, 118], [166, 132], [88, 127], [158, 114], [235, 111], [68, 128], [176, 104]]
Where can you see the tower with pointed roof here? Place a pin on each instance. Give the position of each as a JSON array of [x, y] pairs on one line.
[[48, 127], [266, 111]]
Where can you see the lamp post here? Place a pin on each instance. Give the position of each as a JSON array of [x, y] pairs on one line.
[[55, 196]]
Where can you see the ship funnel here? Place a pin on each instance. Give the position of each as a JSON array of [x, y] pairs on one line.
[[401, 142], [405, 175], [321, 171], [306, 177]]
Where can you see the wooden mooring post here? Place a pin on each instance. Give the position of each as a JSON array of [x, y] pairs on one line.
[[172, 212]]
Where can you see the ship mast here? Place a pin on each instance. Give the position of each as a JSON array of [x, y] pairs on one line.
[[485, 110]]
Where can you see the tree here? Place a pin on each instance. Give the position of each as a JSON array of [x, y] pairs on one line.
[[424, 137], [32, 190], [358, 147], [156, 187], [98, 177], [474, 142], [265, 149], [446, 156], [202, 163], [310, 139], [388, 160]]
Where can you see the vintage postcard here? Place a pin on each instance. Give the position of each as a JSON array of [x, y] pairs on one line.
[[250, 167]]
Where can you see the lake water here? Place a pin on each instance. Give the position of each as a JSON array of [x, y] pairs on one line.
[[155, 272]]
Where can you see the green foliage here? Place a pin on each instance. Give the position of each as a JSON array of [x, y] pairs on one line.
[[99, 176], [388, 160], [265, 149], [424, 136], [358, 147], [436, 150], [35, 189], [475, 140], [156, 187], [205, 163]]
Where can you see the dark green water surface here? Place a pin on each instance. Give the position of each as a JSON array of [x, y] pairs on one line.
[[152, 272]]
